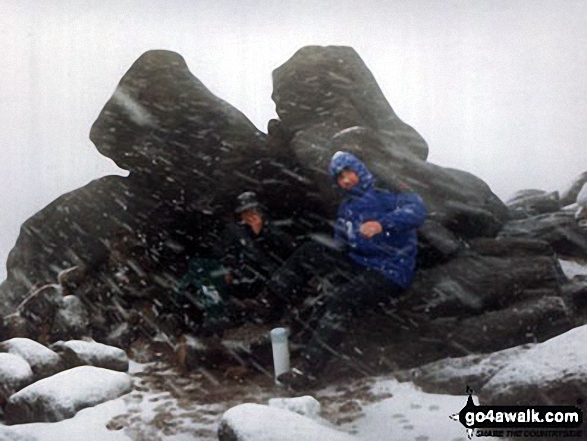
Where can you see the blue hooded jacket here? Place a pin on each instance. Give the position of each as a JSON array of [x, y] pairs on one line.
[[393, 251]]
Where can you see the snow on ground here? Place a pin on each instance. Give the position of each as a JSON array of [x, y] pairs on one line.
[[572, 268], [167, 406], [407, 414]]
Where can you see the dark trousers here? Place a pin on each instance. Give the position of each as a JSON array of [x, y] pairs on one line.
[[355, 289]]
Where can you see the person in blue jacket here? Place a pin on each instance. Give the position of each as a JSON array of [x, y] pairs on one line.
[[373, 256]]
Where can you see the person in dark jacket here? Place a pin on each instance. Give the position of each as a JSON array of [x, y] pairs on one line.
[[373, 256], [253, 248], [228, 286]]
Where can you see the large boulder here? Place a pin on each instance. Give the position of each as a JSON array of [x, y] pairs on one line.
[[53, 398], [553, 372], [454, 375], [162, 122], [97, 354], [333, 85], [471, 283], [328, 100], [189, 154]]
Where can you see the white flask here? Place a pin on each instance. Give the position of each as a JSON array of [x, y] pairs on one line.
[[280, 348]]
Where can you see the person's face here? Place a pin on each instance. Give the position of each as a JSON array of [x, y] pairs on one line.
[[347, 179], [253, 219]]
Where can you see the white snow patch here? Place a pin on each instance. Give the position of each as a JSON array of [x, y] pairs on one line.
[[257, 422], [572, 269], [561, 356], [306, 406], [34, 353], [410, 414], [65, 393]]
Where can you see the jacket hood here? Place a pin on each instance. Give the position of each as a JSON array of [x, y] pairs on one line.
[[343, 160]]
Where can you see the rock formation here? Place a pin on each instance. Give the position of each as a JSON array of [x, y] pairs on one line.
[[189, 154]]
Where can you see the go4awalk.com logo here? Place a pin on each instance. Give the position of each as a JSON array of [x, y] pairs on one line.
[[520, 421]]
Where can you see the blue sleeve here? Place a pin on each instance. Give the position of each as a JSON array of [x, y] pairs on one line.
[[407, 213]]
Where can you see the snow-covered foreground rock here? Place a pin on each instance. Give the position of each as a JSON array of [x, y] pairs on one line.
[[97, 354], [256, 422], [42, 360], [307, 405], [64, 394], [552, 372], [15, 373]]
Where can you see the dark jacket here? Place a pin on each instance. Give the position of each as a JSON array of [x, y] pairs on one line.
[[252, 259], [393, 251]]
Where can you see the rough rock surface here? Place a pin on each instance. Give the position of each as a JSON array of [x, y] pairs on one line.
[[471, 283], [53, 398], [559, 229], [525, 203], [334, 86], [188, 152], [327, 100]]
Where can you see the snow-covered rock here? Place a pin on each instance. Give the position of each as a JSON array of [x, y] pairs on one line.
[[553, 372], [42, 360], [15, 373], [453, 375], [97, 354], [256, 422], [307, 405], [64, 394]]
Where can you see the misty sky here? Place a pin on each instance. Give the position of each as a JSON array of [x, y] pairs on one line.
[[497, 88]]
